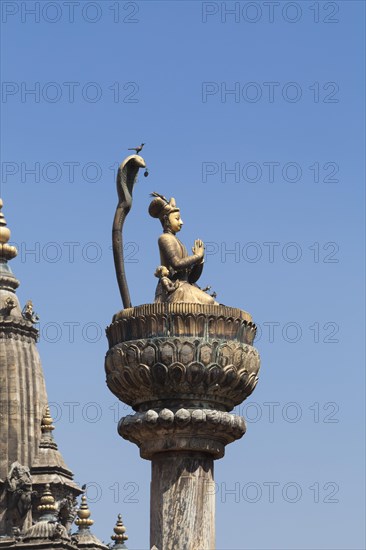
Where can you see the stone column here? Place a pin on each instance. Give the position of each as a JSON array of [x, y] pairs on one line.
[[183, 368], [182, 506]]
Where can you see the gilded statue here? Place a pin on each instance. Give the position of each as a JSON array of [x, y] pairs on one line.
[[179, 271], [168, 286], [28, 312], [184, 270]]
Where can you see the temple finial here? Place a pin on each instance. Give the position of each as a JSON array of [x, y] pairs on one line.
[[84, 537], [47, 504], [47, 527], [47, 421], [119, 537], [7, 252], [83, 520]]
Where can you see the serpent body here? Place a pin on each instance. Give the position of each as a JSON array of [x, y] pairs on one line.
[[126, 179]]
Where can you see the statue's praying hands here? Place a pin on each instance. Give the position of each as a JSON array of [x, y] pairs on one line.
[[198, 248]]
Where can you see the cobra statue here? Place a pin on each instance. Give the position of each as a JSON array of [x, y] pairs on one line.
[[126, 179]]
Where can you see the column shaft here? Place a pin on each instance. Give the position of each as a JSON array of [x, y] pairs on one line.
[[182, 511]]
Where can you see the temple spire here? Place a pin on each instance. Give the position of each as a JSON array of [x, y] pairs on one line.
[[83, 520], [7, 252], [119, 537], [22, 392], [47, 506], [84, 538], [47, 528], [49, 468]]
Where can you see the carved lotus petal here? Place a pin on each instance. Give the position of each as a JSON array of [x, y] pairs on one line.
[[254, 362], [195, 373], [238, 357], [213, 374], [109, 367], [152, 325], [225, 355], [187, 352], [132, 355], [141, 325], [212, 327], [243, 380], [167, 353], [243, 369], [116, 381], [128, 377], [117, 358], [177, 373], [190, 325], [230, 376], [229, 328], [206, 354], [236, 326], [159, 373], [253, 380], [220, 327], [145, 375], [162, 324], [148, 355], [114, 384], [179, 325], [200, 325]]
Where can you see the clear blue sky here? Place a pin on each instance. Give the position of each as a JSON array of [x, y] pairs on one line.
[[291, 211]]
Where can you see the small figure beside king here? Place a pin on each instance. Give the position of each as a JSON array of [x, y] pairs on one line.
[[178, 272]]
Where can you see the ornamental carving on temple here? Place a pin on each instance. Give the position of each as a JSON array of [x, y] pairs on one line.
[[38, 495]]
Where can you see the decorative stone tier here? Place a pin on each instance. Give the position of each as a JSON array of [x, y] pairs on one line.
[[190, 371], [8, 281], [182, 367], [195, 320], [18, 329], [203, 430]]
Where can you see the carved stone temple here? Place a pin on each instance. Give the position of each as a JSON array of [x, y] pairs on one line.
[[182, 362], [38, 497]]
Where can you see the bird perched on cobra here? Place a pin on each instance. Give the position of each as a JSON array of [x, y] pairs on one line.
[[138, 149], [126, 179]]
